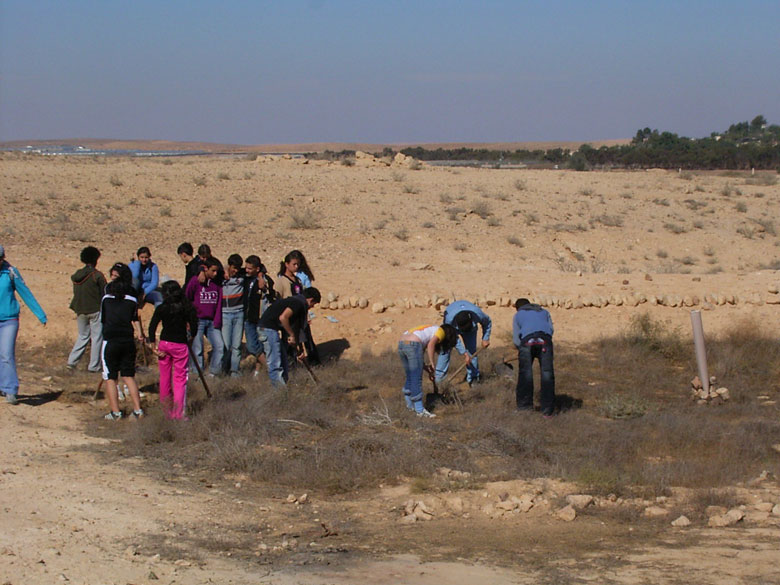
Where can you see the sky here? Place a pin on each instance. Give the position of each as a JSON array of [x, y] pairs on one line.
[[261, 72]]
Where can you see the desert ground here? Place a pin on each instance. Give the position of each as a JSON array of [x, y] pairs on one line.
[[86, 502]]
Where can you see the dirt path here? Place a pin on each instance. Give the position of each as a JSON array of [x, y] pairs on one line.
[[75, 512]]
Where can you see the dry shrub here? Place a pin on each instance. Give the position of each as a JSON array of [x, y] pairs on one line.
[[352, 430]]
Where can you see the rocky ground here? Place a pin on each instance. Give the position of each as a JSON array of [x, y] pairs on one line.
[[596, 248]]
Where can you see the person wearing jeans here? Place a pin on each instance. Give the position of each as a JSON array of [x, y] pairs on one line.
[[206, 328], [233, 314], [11, 282], [89, 285], [412, 347], [206, 296], [285, 317], [465, 317], [532, 332]]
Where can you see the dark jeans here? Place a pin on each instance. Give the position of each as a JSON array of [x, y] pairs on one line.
[[524, 392]]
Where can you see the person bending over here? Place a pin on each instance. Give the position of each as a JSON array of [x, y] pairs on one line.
[[413, 346], [464, 317], [285, 317], [532, 332]]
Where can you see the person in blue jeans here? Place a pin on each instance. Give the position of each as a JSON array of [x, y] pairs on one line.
[[532, 332], [233, 314], [11, 282], [412, 348], [206, 296], [465, 317], [286, 317], [259, 293]]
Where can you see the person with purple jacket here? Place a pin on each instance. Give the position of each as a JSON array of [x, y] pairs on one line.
[[206, 296]]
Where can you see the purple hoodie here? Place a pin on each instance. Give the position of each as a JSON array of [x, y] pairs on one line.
[[207, 300]]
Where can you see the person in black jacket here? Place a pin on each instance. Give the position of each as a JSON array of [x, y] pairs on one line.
[[259, 293], [119, 316], [286, 317]]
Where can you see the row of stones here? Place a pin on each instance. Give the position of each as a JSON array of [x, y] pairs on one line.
[[707, 302]]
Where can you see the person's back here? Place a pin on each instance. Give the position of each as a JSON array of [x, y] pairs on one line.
[[89, 285]]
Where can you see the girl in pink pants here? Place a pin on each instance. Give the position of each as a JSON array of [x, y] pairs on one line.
[[178, 318]]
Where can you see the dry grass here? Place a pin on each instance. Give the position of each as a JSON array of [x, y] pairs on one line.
[[637, 429]]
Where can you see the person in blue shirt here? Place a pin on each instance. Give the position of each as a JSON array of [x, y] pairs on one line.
[[465, 317], [11, 282], [532, 332], [146, 276]]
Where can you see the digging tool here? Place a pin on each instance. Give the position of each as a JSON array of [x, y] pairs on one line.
[[143, 344], [447, 393], [97, 390], [461, 368], [198, 368], [308, 369]]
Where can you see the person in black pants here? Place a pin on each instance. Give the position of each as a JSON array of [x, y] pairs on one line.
[[532, 332]]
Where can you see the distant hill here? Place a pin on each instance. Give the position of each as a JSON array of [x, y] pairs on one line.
[[113, 144]]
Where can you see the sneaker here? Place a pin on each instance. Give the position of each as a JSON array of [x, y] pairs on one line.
[[70, 367], [11, 399], [138, 413], [426, 414], [112, 416], [548, 413]]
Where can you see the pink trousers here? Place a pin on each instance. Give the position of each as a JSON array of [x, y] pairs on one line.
[[173, 362]]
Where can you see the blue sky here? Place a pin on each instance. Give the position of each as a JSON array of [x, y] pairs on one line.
[[390, 71]]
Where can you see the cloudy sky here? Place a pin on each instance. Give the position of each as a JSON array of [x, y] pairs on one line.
[[390, 71]]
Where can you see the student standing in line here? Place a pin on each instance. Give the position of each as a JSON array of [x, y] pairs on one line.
[[413, 346], [89, 285], [259, 293], [287, 282], [178, 318], [191, 263], [206, 296], [11, 282], [285, 317], [146, 277], [119, 316], [233, 314]]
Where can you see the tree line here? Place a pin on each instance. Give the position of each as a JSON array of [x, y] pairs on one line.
[[745, 145]]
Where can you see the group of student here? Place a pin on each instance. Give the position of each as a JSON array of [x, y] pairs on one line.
[[216, 302], [224, 304]]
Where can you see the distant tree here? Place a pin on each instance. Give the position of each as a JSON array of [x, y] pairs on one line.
[[757, 124]]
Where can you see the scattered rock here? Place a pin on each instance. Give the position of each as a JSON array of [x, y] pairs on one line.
[[696, 383], [655, 512], [681, 522], [763, 506], [715, 511], [378, 308], [567, 513], [728, 519], [776, 510], [579, 501]]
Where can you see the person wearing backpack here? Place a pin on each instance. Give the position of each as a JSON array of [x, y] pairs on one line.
[[465, 317], [11, 282], [88, 287]]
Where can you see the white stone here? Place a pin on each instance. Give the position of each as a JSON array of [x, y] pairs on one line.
[[579, 501], [681, 522], [378, 308], [567, 514]]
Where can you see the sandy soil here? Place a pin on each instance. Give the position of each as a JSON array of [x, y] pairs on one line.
[[77, 509]]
